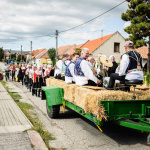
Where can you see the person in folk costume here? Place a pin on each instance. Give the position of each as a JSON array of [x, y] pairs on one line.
[[16, 72], [39, 79], [69, 73], [11, 68], [23, 72], [64, 65], [13, 72], [31, 71], [130, 67], [27, 75], [83, 72], [58, 68], [44, 67], [20, 74], [43, 70], [34, 84], [47, 74]]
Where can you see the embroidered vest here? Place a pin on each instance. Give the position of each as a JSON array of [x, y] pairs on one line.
[[77, 68], [135, 63], [64, 65], [67, 72]]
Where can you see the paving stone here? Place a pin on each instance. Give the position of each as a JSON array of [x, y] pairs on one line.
[[15, 141], [4, 95], [2, 89], [12, 119]]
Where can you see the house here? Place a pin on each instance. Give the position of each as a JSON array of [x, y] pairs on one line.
[[34, 54], [63, 49], [112, 44], [144, 53], [39, 57], [43, 58]]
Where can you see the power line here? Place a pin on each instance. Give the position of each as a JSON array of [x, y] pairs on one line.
[[62, 40], [93, 18]]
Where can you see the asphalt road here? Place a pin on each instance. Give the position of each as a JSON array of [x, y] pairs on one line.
[[74, 132]]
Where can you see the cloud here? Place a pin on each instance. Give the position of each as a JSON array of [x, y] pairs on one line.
[[126, 24], [25, 19]]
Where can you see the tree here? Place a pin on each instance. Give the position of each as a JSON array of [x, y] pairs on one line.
[[1, 54], [52, 55], [19, 58], [13, 56], [139, 16]]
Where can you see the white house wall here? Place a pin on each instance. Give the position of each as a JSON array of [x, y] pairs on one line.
[[38, 61], [107, 48]]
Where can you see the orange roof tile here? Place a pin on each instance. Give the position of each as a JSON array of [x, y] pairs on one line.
[[61, 50], [94, 44], [42, 54], [36, 52], [72, 49], [143, 51]]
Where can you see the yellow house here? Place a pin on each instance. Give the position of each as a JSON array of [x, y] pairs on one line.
[[43, 58]]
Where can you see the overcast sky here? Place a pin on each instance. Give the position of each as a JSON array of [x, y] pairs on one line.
[[22, 21]]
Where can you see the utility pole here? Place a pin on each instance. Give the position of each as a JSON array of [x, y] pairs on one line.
[[56, 43], [21, 53], [10, 53], [31, 53], [102, 34]]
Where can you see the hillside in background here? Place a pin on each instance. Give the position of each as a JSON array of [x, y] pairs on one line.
[[16, 51]]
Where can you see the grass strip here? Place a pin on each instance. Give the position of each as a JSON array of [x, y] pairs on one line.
[[28, 110], [14, 95]]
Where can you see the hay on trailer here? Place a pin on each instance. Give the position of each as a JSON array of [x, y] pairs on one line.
[[89, 99]]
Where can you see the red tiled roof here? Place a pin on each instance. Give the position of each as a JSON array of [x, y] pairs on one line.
[[42, 54], [61, 50], [36, 52], [143, 51], [94, 44], [72, 49]]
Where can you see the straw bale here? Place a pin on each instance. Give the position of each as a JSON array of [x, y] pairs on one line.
[[89, 99], [70, 92]]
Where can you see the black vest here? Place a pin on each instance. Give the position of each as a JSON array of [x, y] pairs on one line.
[[135, 60]]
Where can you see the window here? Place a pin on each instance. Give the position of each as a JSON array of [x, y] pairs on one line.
[[116, 47]]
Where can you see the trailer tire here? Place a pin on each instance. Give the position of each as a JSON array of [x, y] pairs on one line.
[[53, 111]]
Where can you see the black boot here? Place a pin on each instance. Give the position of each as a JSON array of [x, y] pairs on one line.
[[39, 91], [33, 92], [36, 92]]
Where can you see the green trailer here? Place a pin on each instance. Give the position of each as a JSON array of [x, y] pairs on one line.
[[133, 114]]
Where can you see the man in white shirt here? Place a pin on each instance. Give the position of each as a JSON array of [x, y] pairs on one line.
[[58, 67], [83, 72], [130, 66], [69, 73]]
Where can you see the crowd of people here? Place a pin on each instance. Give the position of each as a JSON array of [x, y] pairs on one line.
[[32, 76], [81, 70]]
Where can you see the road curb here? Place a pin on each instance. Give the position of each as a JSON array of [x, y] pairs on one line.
[[36, 140]]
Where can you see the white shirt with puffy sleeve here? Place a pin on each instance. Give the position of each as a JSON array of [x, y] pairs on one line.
[[134, 75], [83, 80]]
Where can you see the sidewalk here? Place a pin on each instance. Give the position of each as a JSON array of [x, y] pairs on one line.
[[12, 124]]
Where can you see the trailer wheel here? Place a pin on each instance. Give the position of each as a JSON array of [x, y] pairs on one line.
[[53, 111]]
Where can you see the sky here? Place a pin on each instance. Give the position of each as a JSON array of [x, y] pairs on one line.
[[23, 21]]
